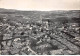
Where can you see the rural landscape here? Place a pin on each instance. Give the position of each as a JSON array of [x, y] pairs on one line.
[[39, 32]]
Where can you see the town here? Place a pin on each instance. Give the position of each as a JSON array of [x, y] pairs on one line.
[[21, 35]]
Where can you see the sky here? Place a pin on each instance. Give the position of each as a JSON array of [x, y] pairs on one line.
[[44, 5]]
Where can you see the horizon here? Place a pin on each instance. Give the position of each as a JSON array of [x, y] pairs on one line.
[[40, 5], [39, 10]]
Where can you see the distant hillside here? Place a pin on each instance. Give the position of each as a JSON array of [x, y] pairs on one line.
[[37, 15]]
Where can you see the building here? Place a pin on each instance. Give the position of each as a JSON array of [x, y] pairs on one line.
[[45, 23]]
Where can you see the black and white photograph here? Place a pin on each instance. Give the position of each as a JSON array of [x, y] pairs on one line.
[[39, 27]]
